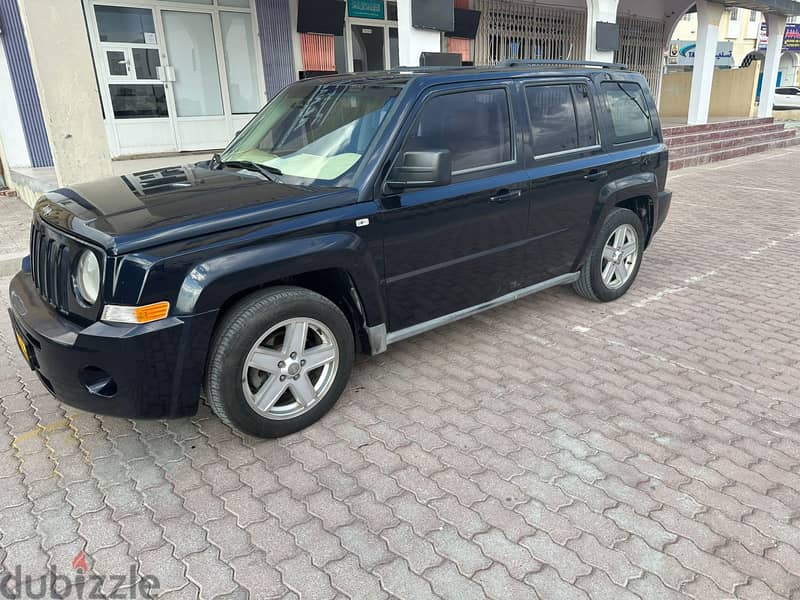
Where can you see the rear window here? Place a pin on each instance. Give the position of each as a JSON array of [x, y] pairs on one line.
[[561, 118], [630, 117]]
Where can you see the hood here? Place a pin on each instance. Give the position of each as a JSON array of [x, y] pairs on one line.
[[150, 208]]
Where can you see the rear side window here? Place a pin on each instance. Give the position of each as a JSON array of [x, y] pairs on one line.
[[630, 116], [561, 118], [475, 126]]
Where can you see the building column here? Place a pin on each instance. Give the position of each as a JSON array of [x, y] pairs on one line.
[[705, 58], [599, 11], [412, 42], [62, 66], [776, 26]]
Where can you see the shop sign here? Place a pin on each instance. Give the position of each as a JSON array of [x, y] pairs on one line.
[[791, 38], [682, 53], [365, 9]]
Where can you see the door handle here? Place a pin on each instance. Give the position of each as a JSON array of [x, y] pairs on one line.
[[596, 175], [504, 196]]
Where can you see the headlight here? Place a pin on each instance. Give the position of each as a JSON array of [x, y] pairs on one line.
[[87, 277]]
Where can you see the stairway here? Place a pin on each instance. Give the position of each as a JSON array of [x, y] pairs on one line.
[[693, 145]]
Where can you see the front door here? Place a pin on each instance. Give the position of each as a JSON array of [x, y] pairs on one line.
[[175, 76], [451, 247]]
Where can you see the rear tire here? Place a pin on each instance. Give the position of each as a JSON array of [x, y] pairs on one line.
[[614, 260], [279, 361]]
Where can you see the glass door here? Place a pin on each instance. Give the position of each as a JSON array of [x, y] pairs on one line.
[[178, 75], [368, 47], [135, 98], [191, 47]]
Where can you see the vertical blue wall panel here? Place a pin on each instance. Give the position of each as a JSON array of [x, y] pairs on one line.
[[19, 64], [275, 33]]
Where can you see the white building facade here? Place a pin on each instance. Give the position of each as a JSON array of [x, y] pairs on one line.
[[84, 82]]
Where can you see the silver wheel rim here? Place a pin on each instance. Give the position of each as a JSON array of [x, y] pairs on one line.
[[290, 368], [620, 255]]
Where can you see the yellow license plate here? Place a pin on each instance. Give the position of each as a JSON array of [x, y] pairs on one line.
[[23, 347]]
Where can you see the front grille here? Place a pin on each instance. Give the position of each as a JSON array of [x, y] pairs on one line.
[[51, 258]]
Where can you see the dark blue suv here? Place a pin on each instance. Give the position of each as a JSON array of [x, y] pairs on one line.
[[354, 211]]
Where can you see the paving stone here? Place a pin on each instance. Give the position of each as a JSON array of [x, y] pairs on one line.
[[418, 552], [564, 560], [517, 559], [398, 580], [550, 448], [448, 583], [300, 575], [348, 577]]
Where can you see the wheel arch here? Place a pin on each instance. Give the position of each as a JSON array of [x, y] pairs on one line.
[[636, 193], [334, 283], [337, 266]]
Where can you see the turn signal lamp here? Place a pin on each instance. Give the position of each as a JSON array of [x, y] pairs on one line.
[[136, 314]]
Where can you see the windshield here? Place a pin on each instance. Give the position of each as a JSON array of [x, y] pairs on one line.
[[315, 133]]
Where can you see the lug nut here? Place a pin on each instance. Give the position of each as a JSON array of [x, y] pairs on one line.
[[302, 363], [283, 377], [296, 377], [294, 355], [281, 364]]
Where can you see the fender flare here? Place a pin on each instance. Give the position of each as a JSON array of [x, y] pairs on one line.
[[638, 185], [210, 283]]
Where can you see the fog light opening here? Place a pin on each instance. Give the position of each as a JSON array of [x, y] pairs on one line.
[[98, 382]]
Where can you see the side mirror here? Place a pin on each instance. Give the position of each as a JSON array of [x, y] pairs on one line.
[[421, 169]]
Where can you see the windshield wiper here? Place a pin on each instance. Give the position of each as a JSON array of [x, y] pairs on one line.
[[267, 171]]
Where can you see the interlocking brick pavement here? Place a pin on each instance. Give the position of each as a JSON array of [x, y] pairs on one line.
[[553, 448]]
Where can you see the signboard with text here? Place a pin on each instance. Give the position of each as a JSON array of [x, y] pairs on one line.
[[682, 53], [365, 9], [791, 38]]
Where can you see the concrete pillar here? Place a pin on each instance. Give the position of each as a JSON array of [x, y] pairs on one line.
[[708, 17], [413, 41], [776, 25], [62, 65], [599, 11]]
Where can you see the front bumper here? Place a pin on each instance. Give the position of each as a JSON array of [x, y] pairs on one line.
[[134, 371]]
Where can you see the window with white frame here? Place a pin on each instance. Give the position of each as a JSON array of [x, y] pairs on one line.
[[733, 23], [753, 25]]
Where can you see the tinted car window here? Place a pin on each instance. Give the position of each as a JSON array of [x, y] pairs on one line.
[[630, 116], [474, 126], [561, 117]]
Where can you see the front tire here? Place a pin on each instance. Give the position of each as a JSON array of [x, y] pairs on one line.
[[615, 258], [279, 361]]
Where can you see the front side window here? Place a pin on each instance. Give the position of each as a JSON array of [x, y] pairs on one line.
[[630, 116], [475, 126], [315, 133], [561, 118]]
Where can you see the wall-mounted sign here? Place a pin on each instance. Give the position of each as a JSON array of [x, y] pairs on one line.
[[791, 38], [682, 53], [365, 9]]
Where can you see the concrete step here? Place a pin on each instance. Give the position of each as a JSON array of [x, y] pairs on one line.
[[728, 143], [721, 134], [670, 132], [711, 157]]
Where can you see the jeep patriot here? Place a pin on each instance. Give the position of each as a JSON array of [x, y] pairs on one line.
[[352, 212]]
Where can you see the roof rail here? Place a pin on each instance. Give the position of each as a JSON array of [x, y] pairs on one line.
[[514, 62]]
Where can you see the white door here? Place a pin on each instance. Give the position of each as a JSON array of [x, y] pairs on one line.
[[135, 99], [176, 76]]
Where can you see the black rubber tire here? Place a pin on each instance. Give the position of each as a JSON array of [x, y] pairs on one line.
[[590, 283], [241, 327]]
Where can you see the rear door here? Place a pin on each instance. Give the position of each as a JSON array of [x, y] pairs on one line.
[[567, 169], [451, 247]]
